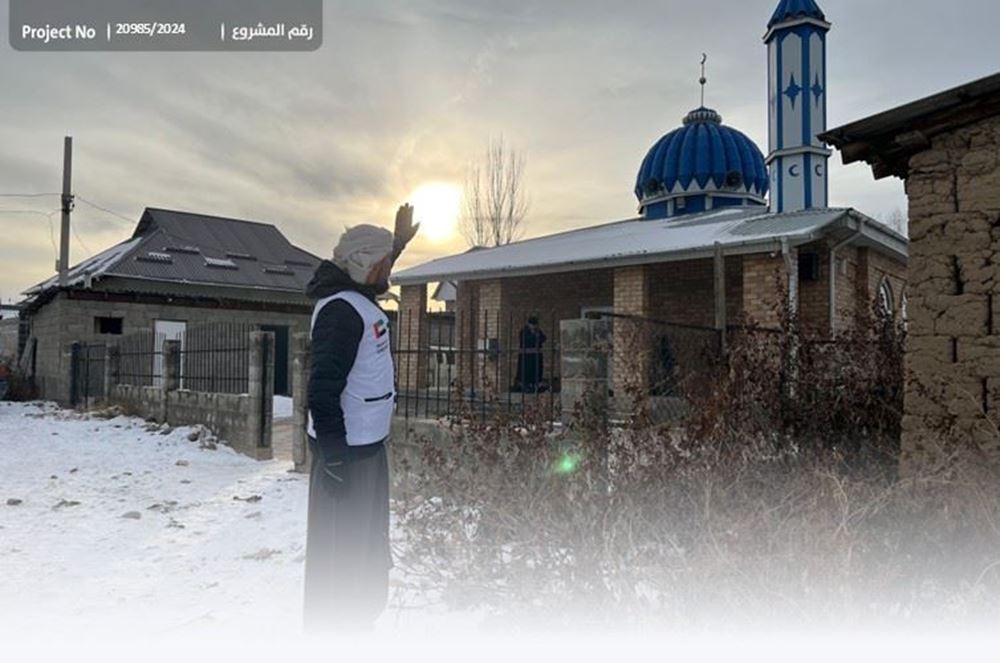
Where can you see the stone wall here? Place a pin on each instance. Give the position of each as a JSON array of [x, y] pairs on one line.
[[953, 351]]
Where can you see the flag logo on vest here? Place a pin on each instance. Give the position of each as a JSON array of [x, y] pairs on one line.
[[380, 328]]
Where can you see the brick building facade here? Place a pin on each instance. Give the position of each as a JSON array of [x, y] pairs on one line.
[[667, 290]]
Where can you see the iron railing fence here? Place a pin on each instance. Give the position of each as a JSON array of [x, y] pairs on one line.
[[215, 358], [139, 360], [87, 366], [477, 366]]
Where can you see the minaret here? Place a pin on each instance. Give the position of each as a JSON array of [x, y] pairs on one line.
[[796, 89]]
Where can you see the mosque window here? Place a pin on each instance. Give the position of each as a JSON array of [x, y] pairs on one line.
[[886, 305]]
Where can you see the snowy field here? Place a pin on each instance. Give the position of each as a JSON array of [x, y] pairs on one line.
[[123, 542], [107, 525]]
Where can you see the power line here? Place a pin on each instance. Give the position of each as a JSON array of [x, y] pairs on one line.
[[81, 242], [105, 210], [27, 195], [26, 211]]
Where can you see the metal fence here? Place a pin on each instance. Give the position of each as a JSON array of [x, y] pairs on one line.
[[140, 359], [216, 358], [476, 366], [87, 366]]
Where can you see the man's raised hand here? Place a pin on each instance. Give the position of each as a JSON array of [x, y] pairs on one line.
[[405, 229]]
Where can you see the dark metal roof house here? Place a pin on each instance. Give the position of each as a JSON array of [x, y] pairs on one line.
[[245, 258], [179, 271]]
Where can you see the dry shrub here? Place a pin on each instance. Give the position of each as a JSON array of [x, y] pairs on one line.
[[775, 501]]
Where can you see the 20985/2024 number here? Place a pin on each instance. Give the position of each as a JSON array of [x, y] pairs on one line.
[[150, 28]]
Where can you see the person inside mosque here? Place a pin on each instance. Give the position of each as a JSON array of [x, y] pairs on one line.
[[531, 358], [723, 234]]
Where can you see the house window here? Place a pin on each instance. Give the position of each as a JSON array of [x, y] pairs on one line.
[[108, 325], [886, 305]]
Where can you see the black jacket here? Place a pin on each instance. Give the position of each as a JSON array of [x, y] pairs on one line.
[[335, 340]]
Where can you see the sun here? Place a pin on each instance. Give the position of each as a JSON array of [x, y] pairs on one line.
[[436, 207]]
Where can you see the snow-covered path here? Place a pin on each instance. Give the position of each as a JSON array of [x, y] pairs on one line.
[[105, 524]]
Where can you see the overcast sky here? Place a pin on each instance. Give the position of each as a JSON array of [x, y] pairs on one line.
[[407, 92]]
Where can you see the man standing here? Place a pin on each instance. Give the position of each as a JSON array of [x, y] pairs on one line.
[[351, 399]]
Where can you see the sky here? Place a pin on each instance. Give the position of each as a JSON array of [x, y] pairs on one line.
[[407, 93]]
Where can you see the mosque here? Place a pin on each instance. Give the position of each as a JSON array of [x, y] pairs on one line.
[[723, 236]]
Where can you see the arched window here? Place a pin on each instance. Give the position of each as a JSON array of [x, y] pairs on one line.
[[886, 301]]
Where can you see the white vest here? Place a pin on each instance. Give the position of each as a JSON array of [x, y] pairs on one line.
[[370, 395]]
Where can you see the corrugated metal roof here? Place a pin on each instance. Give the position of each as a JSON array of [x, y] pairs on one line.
[[185, 247], [636, 241]]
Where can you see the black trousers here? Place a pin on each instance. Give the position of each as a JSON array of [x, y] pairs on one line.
[[347, 543]]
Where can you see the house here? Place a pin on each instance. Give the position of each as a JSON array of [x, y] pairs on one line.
[[9, 326], [178, 271], [723, 234], [945, 148]]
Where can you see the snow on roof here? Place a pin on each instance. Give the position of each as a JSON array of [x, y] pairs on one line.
[[94, 266], [633, 241]]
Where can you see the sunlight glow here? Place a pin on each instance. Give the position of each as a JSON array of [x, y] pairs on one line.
[[436, 208]]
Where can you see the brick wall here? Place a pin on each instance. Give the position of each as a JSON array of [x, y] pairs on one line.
[[684, 292], [411, 357], [953, 351], [765, 284], [631, 358]]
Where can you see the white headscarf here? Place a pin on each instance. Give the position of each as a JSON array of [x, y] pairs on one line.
[[360, 248]]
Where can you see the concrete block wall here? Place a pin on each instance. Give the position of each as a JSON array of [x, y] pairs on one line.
[[953, 374], [63, 321]]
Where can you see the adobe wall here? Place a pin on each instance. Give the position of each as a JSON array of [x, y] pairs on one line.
[[953, 349]]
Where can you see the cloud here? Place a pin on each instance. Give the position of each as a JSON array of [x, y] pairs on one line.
[[404, 92]]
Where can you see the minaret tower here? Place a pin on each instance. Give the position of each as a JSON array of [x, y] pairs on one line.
[[796, 89]]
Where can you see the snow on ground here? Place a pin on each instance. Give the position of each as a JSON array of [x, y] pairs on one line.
[[282, 407], [106, 524]]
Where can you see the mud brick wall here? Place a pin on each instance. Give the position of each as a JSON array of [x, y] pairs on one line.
[[953, 351]]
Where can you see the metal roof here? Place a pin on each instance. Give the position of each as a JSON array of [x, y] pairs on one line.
[[185, 247], [639, 241], [888, 139]]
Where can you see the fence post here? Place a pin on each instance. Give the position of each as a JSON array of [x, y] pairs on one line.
[[112, 369], [74, 373], [584, 369], [301, 455], [171, 365], [261, 391]]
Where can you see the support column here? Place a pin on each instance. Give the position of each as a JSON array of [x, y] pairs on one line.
[[413, 350], [301, 456], [720, 296], [261, 388], [112, 369], [765, 288], [632, 349], [584, 371]]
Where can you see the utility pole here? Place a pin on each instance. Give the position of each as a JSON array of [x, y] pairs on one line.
[[67, 207]]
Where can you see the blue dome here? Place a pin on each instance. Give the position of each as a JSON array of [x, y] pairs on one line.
[[792, 9], [703, 156]]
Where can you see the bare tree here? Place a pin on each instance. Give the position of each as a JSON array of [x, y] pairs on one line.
[[495, 199]]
